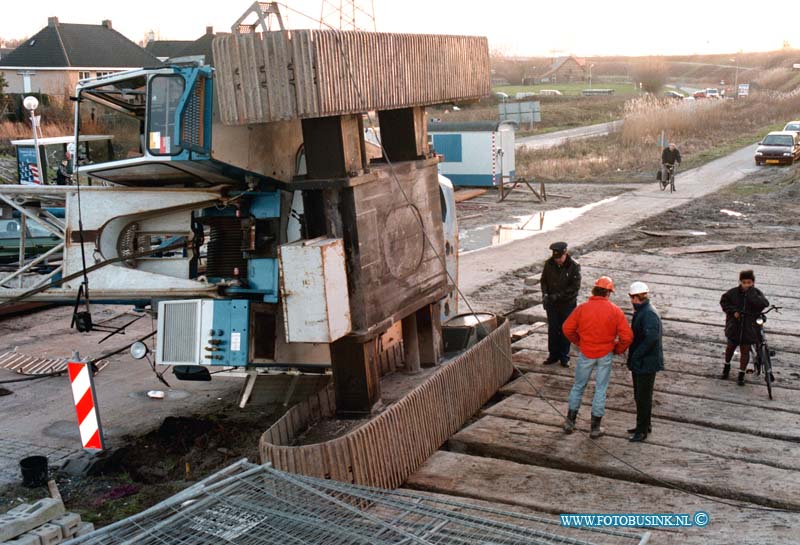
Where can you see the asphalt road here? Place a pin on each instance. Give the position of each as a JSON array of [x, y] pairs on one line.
[[482, 268], [558, 138]]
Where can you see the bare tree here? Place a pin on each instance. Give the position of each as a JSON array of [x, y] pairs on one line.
[[651, 73]]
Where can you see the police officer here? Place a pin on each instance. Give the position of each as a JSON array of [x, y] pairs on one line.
[[560, 283]]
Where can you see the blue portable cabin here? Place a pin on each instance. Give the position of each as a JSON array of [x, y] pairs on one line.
[[474, 153]]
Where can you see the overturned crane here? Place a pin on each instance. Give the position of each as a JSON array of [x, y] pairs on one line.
[[253, 214]]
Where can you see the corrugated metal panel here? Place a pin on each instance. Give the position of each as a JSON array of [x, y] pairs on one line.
[[275, 76]]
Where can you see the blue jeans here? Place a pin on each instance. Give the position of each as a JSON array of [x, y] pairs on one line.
[[583, 371]]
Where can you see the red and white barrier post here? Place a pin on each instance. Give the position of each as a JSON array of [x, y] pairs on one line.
[[80, 377]]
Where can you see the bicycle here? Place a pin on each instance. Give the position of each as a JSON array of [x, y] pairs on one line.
[[763, 355], [670, 177]]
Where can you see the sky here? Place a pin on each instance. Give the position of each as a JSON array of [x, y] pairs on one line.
[[516, 27]]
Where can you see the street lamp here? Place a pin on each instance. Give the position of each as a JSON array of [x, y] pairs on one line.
[[736, 79], [31, 103], [590, 75]]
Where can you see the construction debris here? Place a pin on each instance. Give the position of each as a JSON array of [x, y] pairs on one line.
[[713, 248], [466, 194], [33, 365], [673, 233]]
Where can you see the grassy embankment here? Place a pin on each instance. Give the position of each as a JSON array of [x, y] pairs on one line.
[[704, 130], [557, 112]]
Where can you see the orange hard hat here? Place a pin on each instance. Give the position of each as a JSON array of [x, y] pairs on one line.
[[604, 282]]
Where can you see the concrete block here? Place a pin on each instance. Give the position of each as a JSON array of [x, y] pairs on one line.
[[49, 534], [24, 539], [525, 301], [69, 524], [84, 528], [27, 516], [531, 315], [532, 281]]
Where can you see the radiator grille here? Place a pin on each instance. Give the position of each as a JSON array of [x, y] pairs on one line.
[[192, 133], [179, 334]]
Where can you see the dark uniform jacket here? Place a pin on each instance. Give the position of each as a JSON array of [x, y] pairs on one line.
[[671, 157], [749, 305], [646, 353], [560, 285]]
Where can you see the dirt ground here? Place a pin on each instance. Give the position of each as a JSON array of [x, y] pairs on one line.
[[152, 467], [768, 201], [764, 207]]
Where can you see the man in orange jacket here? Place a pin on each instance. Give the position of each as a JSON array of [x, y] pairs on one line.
[[600, 330]]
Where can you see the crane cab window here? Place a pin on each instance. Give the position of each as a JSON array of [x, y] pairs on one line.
[[163, 100]]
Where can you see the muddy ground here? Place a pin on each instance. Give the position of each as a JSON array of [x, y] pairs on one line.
[[764, 207], [152, 467], [521, 214]]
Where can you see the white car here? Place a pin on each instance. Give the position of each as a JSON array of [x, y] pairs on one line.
[[793, 126]]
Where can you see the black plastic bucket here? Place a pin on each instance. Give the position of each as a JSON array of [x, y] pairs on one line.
[[34, 471]]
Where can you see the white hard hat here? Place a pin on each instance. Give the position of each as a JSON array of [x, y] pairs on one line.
[[638, 287]]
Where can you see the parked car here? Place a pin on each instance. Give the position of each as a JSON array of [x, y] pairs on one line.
[[500, 95], [712, 93], [793, 126], [780, 147], [673, 94], [550, 93], [37, 240], [699, 94]]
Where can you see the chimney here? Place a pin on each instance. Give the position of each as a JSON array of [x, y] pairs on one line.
[[210, 30], [52, 21], [106, 23]]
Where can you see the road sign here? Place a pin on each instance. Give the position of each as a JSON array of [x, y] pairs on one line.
[[82, 382], [744, 89]]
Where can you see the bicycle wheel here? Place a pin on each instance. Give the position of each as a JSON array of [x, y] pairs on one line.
[[672, 184], [766, 365]]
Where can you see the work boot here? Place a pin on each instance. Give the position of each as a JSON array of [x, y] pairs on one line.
[[638, 437], [550, 360], [726, 371], [649, 430], [569, 425], [597, 431], [564, 363], [740, 379]]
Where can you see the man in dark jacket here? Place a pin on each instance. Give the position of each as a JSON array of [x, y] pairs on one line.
[[560, 283], [645, 357], [742, 305], [670, 157]]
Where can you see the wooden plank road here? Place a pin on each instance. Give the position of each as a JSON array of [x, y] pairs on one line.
[[527, 442], [735, 445], [711, 413], [693, 358], [715, 446], [557, 491]]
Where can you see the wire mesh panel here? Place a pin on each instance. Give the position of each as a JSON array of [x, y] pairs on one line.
[[248, 504]]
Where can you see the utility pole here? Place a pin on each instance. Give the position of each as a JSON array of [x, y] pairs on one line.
[[348, 15]]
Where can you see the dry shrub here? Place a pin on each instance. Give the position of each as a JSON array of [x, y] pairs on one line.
[[696, 126], [20, 131], [775, 78]]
